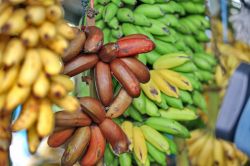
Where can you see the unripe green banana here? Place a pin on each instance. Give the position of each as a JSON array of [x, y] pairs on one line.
[[167, 38], [186, 97], [202, 37], [170, 20], [157, 28], [164, 48], [163, 104], [126, 114], [172, 145], [100, 24], [194, 81], [129, 2], [125, 15], [117, 33], [138, 162], [161, 1], [125, 159], [172, 7], [115, 162], [192, 28], [99, 8], [109, 12], [148, 1], [152, 57], [202, 63], [168, 126], [142, 30], [112, 38], [174, 102], [193, 8], [140, 103], [151, 159], [150, 11], [106, 35], [118, 3], [198, 74], [151, 108], [134, 114], [199, 100], [181, 46], [179, 115], [141, 20], [192, 43], [142, 58], [206, 76], [187, 67], [113, 23], [103, 2], [208, 57], [108, 155], [196, 22], [129, 29], [157, 155]]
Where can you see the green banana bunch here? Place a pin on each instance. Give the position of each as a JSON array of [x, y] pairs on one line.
[[178, 114]]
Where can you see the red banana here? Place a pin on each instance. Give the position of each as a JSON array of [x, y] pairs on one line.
[[134, 46], [134, 36], [96, 147], [104, 83], [108, 52], [120, 104], [94, 39], [80, 64], [93, 108], [115, 136], [58, 138], [126, 77], [138, 68], [72, 119]]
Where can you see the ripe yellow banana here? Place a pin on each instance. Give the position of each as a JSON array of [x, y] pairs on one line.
[[7, 78], [57, 90], [140, 147], [15, 2], [33, 139], [6, 12], [228, 150], [195, 134], [176, 79], [16, 23], [14, 52], [152, 91], [45, 123], [51, 61], [3, 42], [65, 81], [66, 31], [47, 31], [41, 86], [69, 103], [220, 76], [196, 147], [36, 14], [17, 95], [164, 85], [54, 13], [30, 69], [28, 115], [58, 45], [218, 153], [30, 37], [206, 154], [241, 156], [127, 127], [2, 102]]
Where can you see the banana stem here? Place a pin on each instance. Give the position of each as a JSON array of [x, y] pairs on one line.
[[182, 152]]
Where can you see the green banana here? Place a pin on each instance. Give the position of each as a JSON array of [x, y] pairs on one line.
[[163, 104], [170, 20], [179, 115], [161, 1], [134, 114], [113, 23], [109, 12], [191, 42], [187, 67], [198, 74], [186, 97], [138, 162], [172, 7], [157, 28], [125, 15], [193, 8], [152, 57], [115, 162], [155, 138], [156, 154], [100, 24], [150, 11], [197, 23], [106, 34], [164, 48], [206, 76], [151, 108], [202, 63], [202, 37], [125, 159], [192, 28], [181, 46], [118, 120], [126, 113], [140, 103], [129, 29], [167, 38], [117, 33], [108, 155], [142, 58], [172, 145], [148, 1], [112, 39], [174, 102], [151, 159], [193, 80], [103, 2], [168, 125], [129, 2], [142, 30], [141, 20], [118, 3], [199, 100], [208, 57], [99, 8]]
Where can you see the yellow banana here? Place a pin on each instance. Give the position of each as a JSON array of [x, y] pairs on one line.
[[65, 81], [6, 12], [164, 85], [58, 45], [228, 150], [69, 103], [219, 75], [140, 147], [176, 79], [33, 139], [7, 78], [127, 127], [16, 22], [51, 61], [30, 37], [16, 2], [196, 147], [195, 135], [36, 14], [2, 102], [57, 90], [3, 42], [14, 52], [218, 153], [17, 95], [47, 31], [54, 13], [41, 86], [241, 156], [66, 31], [152, 91], [232, 162], [206, 154], [30, 68], [28, 115], [46, 120]]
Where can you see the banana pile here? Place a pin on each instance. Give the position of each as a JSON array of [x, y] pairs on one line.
[[205, 149], [33, 37]]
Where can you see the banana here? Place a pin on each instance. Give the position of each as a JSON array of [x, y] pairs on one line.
[[228, 150], [152, 57], [169, 20], [193, 8], [69, 103], [199, 100], [46, 120], [218, 153], [151, 91], [2, 102], [196, 84], [14, 52], [30, 69], [174, 102], [195, 135], [129, 2], [103, 2], [151, 108], [28, 115], [65, 81], [33, 139], [179, 115], [7, 78], [41, 85], [155, 138], [57, 90], [172, 7], [163, 85], [6, 12], [172, 145], [141, 20], [59, 45], [127, 127], [47, 31], [66, 31], [58, 138], [197, 146], [150, 11], [100, 24], [163, 103], [156, 154], [187, 67], [143, 31], [140, 147], [202, 63], [109, 12], [117, 33], [30, 37], [134, 114], [125, 15], [186, 97], [168, 126], [51, 62], [108, 155], [125, 159], [157, 28], [164, 48], [99, 8], [148, 1], [16, 23], [36, 14], [113, 23], [167, 38], [176, 79], [54, 13], [140, 103], [206, 154], [118, 3], [129, 29]]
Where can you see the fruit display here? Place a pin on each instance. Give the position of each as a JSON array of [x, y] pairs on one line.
[[205, 149]]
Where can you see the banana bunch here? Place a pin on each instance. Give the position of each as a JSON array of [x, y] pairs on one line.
[[205, 149], [33, 39]]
